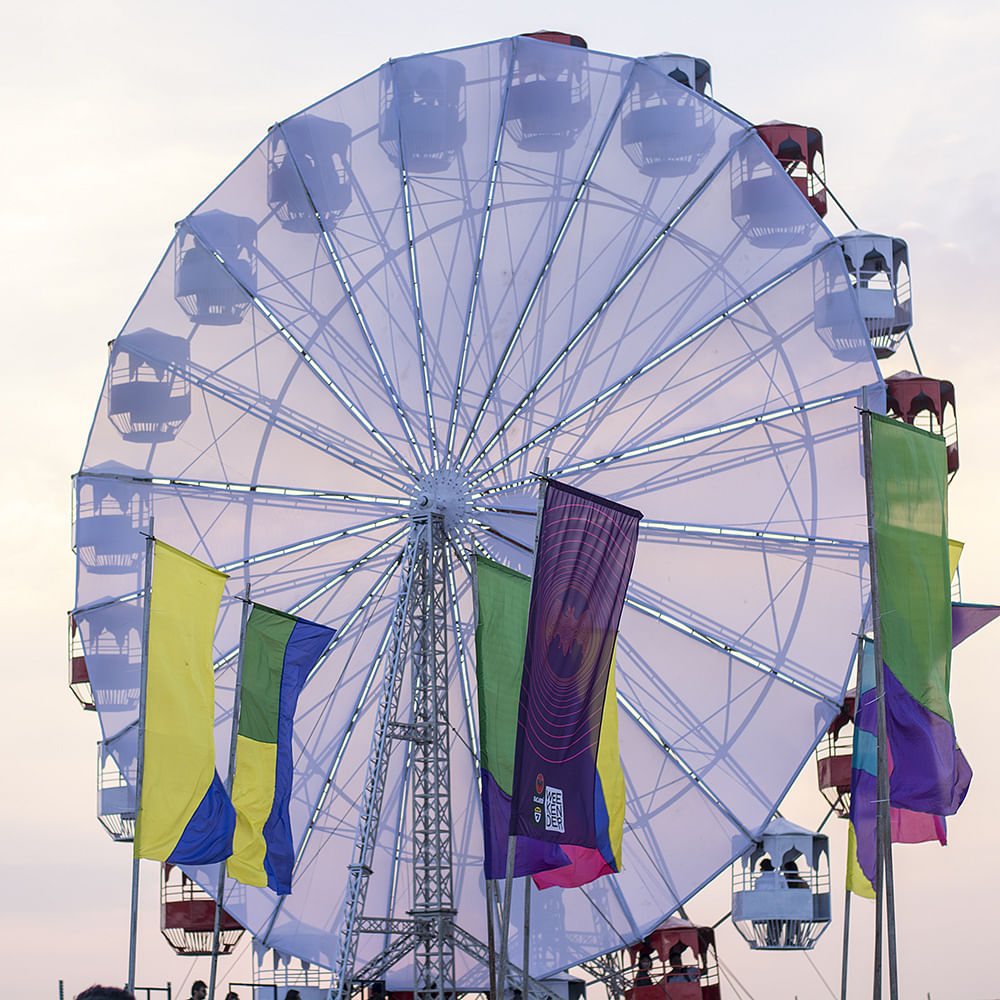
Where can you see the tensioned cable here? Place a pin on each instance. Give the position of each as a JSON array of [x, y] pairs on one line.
[[314, 366], [536, 288], [330, 246], [621, 283], [477, 271], [608, 392]]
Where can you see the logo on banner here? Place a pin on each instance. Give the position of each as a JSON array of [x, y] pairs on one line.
[[554, 819]]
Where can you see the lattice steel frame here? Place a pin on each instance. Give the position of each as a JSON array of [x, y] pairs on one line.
[[433, 909], [419, 635]]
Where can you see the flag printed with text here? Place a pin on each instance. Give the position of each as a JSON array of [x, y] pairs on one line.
[[185, 816], [279, 651], [569, 788]]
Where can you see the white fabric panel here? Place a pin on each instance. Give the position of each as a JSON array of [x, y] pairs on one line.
[[770, 601], [370, 241], [798, 474], [296, 364], [534, 194]]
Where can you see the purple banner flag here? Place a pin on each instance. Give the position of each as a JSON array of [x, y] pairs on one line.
[[568, 787]]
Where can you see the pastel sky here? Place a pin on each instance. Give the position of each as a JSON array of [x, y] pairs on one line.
[[120, 118]]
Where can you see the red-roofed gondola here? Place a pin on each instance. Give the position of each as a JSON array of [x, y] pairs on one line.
[[676, 961], [928, 403]]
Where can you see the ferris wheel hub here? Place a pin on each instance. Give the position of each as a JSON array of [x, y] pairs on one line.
[[445, 492]]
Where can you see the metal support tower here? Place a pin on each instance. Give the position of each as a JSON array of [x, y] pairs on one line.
[[433, 907], [418, 636]]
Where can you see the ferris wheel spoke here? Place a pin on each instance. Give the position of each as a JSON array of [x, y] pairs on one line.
[[330, 245], [508, 350], [466, 669], [735, 535], [417, 304], [612, 293], [257, 489], [610, 392], [470, 312], [308, 359]]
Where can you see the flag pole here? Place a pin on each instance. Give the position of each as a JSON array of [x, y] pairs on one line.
[[234, 732], [883, 856], [505, 917], [140, 755], [512, 840], [527, 934], [491, 935], [858, 665]]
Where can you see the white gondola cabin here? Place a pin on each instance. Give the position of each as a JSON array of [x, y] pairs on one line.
[[215, 267], [549, 101], [422, 111], [149, 395], [781, 889], [879, 267], [309, 173], [667, 124]]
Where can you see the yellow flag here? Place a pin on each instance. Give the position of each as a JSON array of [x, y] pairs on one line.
[[856, 880], [179, 764]]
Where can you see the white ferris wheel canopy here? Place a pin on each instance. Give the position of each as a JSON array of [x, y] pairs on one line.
[[416, 292]]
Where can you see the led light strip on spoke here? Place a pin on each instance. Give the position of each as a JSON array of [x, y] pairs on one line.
[[309, 360], [414, 282], [622, 283], [260, 488], [671, 528], [536, 288], [480, 254], [724, 647], [376, 356], [616, 387]]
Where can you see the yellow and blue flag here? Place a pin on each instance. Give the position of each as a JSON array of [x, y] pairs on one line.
[[185, 816]]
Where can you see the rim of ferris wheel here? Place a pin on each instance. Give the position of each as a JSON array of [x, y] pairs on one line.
[[474, 272]]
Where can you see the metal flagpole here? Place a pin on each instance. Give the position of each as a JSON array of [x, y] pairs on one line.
[[847, 929], [237, 697], [505, 918], [491, 936], [527, 935], [859, 662], [140, 755], [883, 866], [512, 841]]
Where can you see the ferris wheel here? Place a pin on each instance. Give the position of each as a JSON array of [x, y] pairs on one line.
[[339, 386]]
